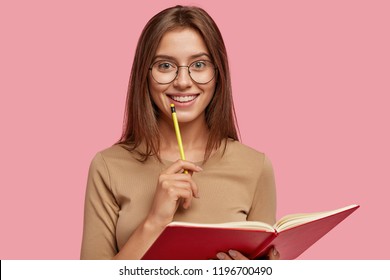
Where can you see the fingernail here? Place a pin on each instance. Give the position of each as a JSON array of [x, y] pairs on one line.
[[274, 252], [232, 253], [221, 256], [195, 195], [199, 168]]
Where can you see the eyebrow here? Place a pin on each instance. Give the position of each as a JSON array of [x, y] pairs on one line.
[[194, 56]]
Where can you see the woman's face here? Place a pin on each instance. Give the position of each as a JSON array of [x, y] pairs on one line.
[[181, 47]]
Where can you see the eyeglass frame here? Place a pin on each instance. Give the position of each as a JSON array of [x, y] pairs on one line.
[[181, 66]]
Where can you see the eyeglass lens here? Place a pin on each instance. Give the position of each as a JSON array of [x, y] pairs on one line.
[[164, 72]]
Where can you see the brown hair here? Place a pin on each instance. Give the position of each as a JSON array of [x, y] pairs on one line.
[[140, 121]]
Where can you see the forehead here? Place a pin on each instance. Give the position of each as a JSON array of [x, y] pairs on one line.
[[181, 44]]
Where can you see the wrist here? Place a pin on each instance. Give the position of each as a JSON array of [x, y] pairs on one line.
[[153, 224]]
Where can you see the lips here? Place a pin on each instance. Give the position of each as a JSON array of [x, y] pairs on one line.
[[183, 98]]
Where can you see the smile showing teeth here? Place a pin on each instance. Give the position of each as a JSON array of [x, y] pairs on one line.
[[183, 99]]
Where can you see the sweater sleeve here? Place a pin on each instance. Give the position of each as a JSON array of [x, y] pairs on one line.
[[100, 214], [264, 200]]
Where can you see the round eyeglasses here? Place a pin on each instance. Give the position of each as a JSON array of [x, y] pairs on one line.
[[200, 71]]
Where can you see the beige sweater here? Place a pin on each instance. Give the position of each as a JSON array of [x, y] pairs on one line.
[[237, 186]]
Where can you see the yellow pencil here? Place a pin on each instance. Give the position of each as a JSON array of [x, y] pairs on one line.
[[178, 135]]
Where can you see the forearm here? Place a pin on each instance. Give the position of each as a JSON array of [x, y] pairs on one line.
[[173, 188], [140, 241]]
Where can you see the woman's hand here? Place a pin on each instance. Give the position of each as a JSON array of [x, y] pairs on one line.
[[272, 254], [173, 187]]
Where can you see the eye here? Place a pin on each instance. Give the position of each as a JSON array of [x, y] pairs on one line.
[[199, 65], [165, 66]]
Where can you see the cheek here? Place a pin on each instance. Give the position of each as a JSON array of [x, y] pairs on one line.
[[155, 92], [210, 91], [158, 98]]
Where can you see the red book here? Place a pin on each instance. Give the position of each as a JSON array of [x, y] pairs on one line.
[[291, 235]]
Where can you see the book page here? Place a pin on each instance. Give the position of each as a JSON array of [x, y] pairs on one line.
[[232, 225], [293, 220]]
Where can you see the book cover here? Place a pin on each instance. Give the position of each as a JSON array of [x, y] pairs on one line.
[[291, 236]]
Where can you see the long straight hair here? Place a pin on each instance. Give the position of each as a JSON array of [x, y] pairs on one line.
[[141, 115]]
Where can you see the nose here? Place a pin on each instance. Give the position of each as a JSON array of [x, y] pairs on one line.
[[183, 78]]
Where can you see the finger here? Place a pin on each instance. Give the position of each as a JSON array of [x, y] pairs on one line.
[[186, 196], [179, 165], [177, 177], [188, 179], [235, 255], [180, 180], [273, 254], [223, 256], [189, 186], [167, 184]]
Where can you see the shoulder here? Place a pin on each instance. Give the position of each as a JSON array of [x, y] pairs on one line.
[[116, 155], [115, 152], [109, 154], [238, 149], [245, 155], [118, 160]]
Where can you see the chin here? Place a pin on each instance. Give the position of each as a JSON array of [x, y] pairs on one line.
[[189, 117]]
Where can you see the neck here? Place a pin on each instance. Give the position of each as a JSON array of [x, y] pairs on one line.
[[194, 136]]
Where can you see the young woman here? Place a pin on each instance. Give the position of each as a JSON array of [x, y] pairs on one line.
[[137, 186]]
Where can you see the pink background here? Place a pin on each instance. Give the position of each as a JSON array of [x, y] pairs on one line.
[[311, 87]]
